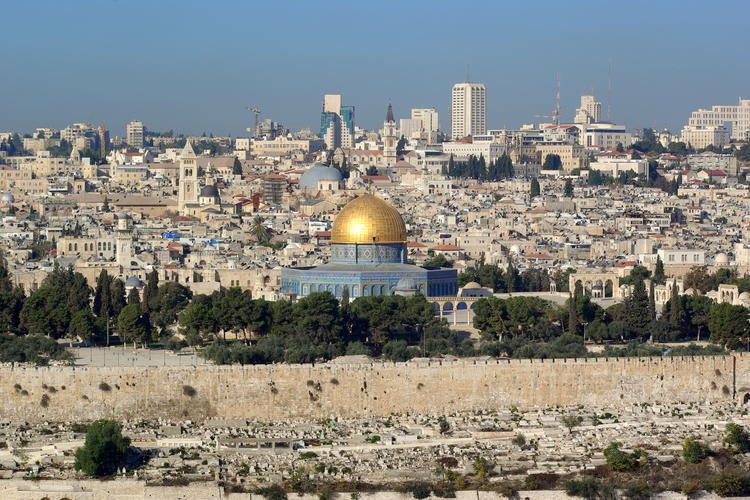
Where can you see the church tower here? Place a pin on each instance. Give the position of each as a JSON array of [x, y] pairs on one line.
[[187, 191], [389, 138]]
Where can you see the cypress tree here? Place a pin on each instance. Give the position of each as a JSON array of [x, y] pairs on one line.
[[651, 301], [659, 276], [573, 314], [535, 188], [637, 309]]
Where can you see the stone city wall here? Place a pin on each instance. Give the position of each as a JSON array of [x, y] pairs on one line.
[[123, 489], [265, 392]]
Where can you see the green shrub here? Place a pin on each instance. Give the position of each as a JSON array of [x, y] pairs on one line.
[[728, 485], [104, 450], [308, 455], [587, 488], [273, 492], [694, 451], [418, 489], [189, 391], [636, 490], [737, 438], [618, 460]]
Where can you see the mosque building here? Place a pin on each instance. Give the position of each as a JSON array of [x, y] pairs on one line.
[[369, 257]]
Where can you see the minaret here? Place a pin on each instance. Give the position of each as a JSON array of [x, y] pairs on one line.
[[389, 138], [187, 191]]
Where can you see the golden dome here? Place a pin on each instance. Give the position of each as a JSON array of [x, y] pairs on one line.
[[368, 219]]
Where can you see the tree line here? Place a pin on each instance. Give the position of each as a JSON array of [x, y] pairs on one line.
[[477, 168]]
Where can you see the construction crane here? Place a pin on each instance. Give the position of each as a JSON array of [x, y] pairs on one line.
[[555, 116], [256, 114]]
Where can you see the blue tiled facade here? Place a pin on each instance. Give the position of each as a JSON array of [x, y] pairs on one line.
[[368, 270]]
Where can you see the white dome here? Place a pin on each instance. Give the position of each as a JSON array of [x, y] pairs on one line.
[[515, 249], [721, 258]]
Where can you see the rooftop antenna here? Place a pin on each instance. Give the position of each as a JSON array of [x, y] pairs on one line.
[[609, 92], [467, 73]]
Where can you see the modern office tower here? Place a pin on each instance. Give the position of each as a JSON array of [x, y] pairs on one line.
[[337, 123], [737, 116], [429, 118], [590, 110], [134, 134], [468, 110]]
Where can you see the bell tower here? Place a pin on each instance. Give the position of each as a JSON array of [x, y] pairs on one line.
[[187, 190], [389, 138]]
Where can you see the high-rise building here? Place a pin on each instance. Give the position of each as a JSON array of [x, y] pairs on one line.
[[738, 117], [468, 110], [428, 117], [590, 110], [337, 123], [134, 134]]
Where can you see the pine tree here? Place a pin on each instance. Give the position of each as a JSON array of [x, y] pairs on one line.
[[535, 188]]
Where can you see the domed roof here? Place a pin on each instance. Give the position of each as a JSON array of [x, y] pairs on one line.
[[133, 281], [721, 258], [472, 284], [317, 173], [690, 291], [8, 198], [368, 219], [209, 191], [406, 284], [744, 296]]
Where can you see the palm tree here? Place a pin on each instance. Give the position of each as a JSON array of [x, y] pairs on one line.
[[258, 229]]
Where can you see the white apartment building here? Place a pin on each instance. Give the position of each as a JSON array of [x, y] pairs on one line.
[[614, 166], [134, 133], [738, 118], [713, 161], [76, 130], [429, 118], [590, 110], [460, 150], [701, 136], [468, 110], [282, 146], [681, 256], [605, 135]]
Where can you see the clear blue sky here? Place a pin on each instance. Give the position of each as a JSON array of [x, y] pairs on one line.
[[193, 66]]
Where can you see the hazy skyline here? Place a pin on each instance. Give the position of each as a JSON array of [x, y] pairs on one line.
[[194, 66]]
